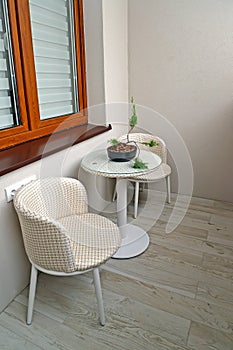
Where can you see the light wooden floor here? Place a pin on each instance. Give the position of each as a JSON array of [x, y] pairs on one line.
[[178, 295]]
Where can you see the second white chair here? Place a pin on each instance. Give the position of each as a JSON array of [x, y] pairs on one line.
[[160, 173]]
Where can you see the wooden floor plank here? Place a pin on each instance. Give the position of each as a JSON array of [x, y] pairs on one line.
[[157, 277], [219, 265], [222, 297], [189, 231], [9, 340], [190, 243], [138, 323], [46, 332], [185, 307], [206, 338]]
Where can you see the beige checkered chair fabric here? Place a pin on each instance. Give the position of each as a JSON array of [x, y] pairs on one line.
[[60, 236], [160, 173]]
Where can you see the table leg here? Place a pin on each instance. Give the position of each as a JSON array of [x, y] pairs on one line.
[[121, 188], [134, 239]]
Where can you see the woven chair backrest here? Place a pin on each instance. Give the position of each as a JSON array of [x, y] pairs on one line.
[[160, 149], [38, 205]]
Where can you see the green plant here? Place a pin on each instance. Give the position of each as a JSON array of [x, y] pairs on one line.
[[133, 120], [114, 142], [152, 143], [139, 164]]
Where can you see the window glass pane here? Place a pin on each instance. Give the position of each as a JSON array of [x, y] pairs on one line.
[[9, 114], [55, 58]]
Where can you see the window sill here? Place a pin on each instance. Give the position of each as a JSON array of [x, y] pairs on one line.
[[25, 153]]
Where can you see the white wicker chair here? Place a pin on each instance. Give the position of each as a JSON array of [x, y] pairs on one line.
[[163, 172], [60, 237]]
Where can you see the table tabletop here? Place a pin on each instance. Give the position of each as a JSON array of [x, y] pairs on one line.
[[98, 163]]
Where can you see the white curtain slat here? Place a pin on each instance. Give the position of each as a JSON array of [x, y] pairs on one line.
[[57, 6], [3, 66], [53, 25], [55, 105], [53, 68], [51, 34], [3, 113], [48, 19], [1, 27], [40, 32], [4, 84], [56, 37], [45, 43], [5, 102], [56, 98], [6, 120], [53, 76], [41, 16], [2, 47], [50, 53], [55, 111], [56, 83]]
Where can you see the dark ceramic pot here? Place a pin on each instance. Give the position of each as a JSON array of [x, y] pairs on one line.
[[122, 153]]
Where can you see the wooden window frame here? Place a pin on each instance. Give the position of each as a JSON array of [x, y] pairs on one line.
[[32, 127], [30, 151]]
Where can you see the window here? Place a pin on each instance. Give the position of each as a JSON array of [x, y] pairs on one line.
[[9, 113], [54, 49], [42, 68]]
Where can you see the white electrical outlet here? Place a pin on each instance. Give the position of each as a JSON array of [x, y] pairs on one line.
[[10, 190]]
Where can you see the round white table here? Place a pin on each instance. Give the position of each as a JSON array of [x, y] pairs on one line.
[[134, 239]]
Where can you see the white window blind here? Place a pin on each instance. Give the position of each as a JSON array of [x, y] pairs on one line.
[[8, 91], [52, 26]]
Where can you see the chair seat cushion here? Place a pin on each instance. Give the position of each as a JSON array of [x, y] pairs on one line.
[[159, 173], [94, 239]]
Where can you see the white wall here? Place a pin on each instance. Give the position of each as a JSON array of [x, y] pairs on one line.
[[115, 36], [180, 64], [93, 29], [115, 48], [106, 34]]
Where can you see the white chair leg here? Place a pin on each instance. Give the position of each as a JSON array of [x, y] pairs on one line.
[[32, 291], [114, 194], [142, 187], [168, 189], [99, 296], [136, 194]]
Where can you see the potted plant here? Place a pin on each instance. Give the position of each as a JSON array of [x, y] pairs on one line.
[[124, 151]]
